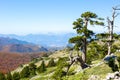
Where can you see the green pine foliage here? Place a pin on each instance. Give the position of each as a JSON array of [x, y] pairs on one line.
[[25, 72], [9, 76], [41, 68], [51, 63], [2, 76], [16, 76], [84, 34], [32, 69]]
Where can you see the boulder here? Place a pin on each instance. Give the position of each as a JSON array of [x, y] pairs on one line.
[[108, 57]]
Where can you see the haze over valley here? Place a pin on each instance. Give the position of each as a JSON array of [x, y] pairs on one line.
[[59, 39], [45, 40]]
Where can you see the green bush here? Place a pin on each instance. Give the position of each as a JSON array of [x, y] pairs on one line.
[[41, 68], [118, 59], [114, 48], [59, 73], [95, 51], [112, 64], [51, 63], [92, 53], [61, 64]]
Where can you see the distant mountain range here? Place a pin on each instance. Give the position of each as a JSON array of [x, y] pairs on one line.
[[13, 45], [47, 40]]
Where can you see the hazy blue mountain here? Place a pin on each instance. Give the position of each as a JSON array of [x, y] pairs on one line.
[[7, 40], [47, 40], [13, 45]]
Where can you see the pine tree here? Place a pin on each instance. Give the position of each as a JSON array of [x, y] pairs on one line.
[[59, 72], [2, 76], [9, 76], [16, 76], [32, 69], [25, 72], [41, 68], [84, 34]]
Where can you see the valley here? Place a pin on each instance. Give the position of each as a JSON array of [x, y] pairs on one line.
[[59, 40]]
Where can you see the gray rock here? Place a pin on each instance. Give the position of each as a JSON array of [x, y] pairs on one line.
[[108, 57]]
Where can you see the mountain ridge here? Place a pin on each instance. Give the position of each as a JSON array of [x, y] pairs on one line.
[[46, 40], [13, 45]]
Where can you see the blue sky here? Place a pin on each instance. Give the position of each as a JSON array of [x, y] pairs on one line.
[[44, 16]]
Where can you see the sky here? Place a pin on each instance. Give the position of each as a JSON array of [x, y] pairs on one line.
[[50, 16]]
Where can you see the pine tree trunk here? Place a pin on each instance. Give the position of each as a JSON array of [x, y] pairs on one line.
[[84, 51], [85, 42]]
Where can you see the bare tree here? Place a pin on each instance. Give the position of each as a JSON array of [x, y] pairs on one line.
[[110, 27]]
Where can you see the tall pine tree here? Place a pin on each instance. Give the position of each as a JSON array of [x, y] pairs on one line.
[[84, 34], [25, 72], [42, 67], [32, 69], [9, 76], [16, 76], [2, 76]]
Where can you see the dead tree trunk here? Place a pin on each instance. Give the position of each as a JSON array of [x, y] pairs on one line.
[[109, 36], [110, 29], [74, 59]]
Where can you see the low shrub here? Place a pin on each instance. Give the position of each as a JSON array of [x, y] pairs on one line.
[[112, 64]]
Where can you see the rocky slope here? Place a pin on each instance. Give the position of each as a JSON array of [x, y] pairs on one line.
[[99, 70]]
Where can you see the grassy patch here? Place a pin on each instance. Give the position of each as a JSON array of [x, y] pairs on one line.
[[46, 75], [117, 54], [43, 78], [80, 76], [24, 79], [101, 70]]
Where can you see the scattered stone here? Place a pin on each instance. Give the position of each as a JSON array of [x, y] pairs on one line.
[[94, 77], [113, 76], [110, 76]]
